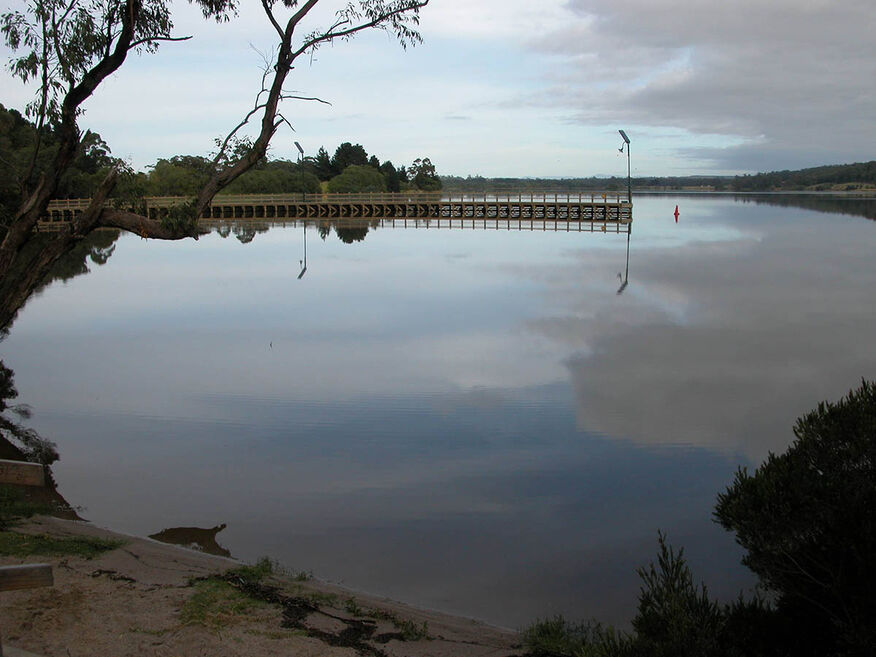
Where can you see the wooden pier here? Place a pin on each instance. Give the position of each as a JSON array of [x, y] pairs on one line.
[[440, 223], [602, 209]]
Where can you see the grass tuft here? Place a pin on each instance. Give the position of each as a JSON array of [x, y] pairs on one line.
[[264, 567], [215, 604], [352, 607], [14, 506], [13, 544], [320, 599], [258, 571], [411, 631], [557, 637]]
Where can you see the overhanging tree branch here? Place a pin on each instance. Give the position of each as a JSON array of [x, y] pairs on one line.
[[380, 14], [73, 47], [140, 42]]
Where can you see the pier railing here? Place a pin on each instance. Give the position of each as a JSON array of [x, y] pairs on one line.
[[608, 207]]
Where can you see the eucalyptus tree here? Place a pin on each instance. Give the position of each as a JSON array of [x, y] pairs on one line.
[[68, 48], [423, 175]]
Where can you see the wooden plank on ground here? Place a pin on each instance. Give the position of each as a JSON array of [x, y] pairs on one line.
[[28, 576], [22, 472]]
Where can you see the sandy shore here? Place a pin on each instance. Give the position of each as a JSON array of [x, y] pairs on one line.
[[149, 598]]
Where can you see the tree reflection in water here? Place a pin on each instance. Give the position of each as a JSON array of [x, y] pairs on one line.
[[196, 538], [17, 441]]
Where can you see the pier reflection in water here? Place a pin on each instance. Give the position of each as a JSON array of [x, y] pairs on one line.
[[350, 231], [472, 420]]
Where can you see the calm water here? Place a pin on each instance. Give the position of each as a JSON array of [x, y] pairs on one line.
[[467, 420]]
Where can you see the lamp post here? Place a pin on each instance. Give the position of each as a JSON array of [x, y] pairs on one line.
[[300, 152], [629, 180]]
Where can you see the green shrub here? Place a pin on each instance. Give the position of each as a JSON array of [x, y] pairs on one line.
[[14, 544], [14, 506], [357, 179], [675, 617], [807, 520], [557, 637]]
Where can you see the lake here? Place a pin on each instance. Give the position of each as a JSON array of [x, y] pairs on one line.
[[484, 422]]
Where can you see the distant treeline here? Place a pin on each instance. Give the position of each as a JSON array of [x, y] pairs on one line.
[[838, 177], [834, 177], [350, 169]]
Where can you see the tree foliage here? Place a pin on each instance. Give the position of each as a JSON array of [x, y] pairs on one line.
[[358, 179], [837, 177], [347, 155], [815, 178], [178, 176], [423, 176], [32, 446], [18, 138], [67, 49], [807, 520], [675, 618], [392, 177], [276, 177], [322, 165]]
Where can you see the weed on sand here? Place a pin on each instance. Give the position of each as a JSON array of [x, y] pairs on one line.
[[13, 544], [216, 604], [14, 506]]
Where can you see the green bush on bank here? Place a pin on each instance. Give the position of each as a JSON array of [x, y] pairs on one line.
[[807, 520], [14, 544], [357, 179], [14, 506]]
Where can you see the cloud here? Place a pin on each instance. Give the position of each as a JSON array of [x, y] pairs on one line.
[[793, 79], [728, 344], [493, 20]]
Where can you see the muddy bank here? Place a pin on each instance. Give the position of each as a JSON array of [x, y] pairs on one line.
[[148, 598]]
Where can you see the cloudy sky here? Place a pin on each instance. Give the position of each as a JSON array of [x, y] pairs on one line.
[[519, 88]]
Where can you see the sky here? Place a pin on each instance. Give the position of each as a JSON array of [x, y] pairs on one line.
[[525, 89]]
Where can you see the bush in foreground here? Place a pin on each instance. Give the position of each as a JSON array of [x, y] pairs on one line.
[[807, 520]]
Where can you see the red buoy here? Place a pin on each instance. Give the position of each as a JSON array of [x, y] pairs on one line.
[[676, 214]]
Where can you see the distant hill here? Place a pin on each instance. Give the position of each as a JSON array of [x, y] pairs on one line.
[[836, 177]]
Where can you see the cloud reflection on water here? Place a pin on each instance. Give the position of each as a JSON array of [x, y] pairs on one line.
[[731, 340], [497, 435]]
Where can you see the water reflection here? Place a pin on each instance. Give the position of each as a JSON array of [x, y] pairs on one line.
[[303, 261], [852, 204], [475, 421], [350, 234], [19, 442], [855, 205], [734, 339], [625, 278], [19, 287], [196, 538]]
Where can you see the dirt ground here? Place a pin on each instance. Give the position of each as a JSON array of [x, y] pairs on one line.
[[148, 598]]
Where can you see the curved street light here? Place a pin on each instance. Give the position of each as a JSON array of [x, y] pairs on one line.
[[629, 183]]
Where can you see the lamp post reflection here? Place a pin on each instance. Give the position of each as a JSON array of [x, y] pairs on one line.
[[303, 263], [625, 278]]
